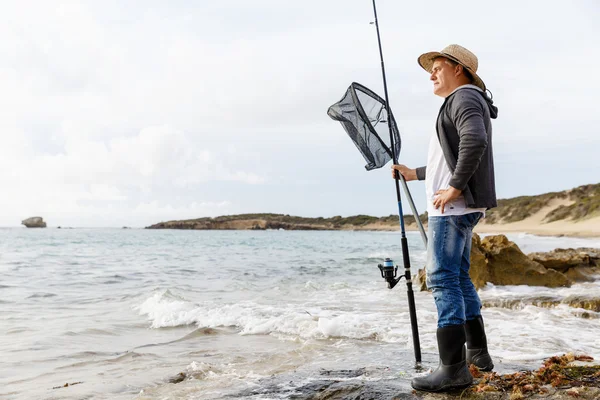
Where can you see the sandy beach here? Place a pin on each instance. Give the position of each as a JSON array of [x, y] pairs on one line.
[[587, 228]]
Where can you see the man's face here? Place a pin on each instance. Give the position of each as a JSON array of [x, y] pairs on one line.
[[444, 77]]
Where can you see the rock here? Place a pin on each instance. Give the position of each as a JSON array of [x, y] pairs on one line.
[[594, 255], [34, 222], [420, 280], [497, 260], [583, 274], [585, 302], [180, 377], [479, 270], [518, 303], [490, 386], [562, 259], [507, 265], [579, 265]]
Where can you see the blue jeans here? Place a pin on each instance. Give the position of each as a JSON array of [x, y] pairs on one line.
[[448, 262]]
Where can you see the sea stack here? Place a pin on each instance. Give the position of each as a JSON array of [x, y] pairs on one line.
[[34, 222]]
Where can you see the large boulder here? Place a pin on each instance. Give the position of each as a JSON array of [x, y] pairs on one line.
[[34, 222], [508, 265]]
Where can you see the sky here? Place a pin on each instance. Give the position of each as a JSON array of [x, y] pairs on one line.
[[130, 113]]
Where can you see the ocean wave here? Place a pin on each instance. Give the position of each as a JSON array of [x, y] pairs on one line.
[[382, 316], [90, 331], [41, 295], [163, 309]]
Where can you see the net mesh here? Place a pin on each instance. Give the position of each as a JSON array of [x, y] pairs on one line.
[[364, 116]]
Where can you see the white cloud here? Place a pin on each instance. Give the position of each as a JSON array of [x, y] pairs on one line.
[[92, 177], [194, 209], [102, 192]]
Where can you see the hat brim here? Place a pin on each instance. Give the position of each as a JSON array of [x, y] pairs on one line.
[[426, 62]]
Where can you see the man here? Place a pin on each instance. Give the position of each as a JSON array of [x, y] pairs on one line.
[[459, 180]]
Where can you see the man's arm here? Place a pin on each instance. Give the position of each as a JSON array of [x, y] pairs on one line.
[[466, 111]]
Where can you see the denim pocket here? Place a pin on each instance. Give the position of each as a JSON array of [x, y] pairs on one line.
[[472, 219], [466, 221]]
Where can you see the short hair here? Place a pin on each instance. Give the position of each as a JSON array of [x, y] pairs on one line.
[[454, 64]]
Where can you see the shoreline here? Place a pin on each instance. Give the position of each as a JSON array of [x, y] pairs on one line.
[[576, 230]]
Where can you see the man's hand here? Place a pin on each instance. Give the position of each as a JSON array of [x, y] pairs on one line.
[[408, 173], [445, 196]]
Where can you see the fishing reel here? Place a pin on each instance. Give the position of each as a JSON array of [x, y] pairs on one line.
[[389, 273]]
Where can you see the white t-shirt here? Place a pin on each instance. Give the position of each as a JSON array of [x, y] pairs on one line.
[[438, 177]]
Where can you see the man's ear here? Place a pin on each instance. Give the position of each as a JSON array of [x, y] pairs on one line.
[[458, 70]]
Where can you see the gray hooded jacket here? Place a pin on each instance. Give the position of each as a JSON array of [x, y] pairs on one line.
[[464, 129]]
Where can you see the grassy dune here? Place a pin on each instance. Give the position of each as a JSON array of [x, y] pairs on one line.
[[584, 203]]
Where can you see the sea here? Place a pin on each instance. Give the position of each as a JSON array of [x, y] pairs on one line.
[[180, 314]]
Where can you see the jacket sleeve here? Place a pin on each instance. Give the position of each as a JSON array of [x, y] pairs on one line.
[[466, 111], [421, 173]]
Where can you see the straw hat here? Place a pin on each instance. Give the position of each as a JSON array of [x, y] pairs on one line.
[[457, 54]]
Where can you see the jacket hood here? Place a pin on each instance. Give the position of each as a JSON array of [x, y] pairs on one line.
[[492, 107]]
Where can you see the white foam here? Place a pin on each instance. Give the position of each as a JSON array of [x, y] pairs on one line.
[[205, 371], [317, 311], [524, 292], [534, 333], [166, 310], [309, 321]]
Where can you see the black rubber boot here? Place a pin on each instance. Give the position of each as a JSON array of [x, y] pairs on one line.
[[477, 351], [452, 373]]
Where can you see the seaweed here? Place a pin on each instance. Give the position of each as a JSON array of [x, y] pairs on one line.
[[557, 372]]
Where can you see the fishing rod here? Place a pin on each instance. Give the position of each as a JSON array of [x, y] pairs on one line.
[[388, 272]]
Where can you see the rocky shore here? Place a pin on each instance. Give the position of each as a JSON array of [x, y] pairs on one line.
[[559, 378]]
